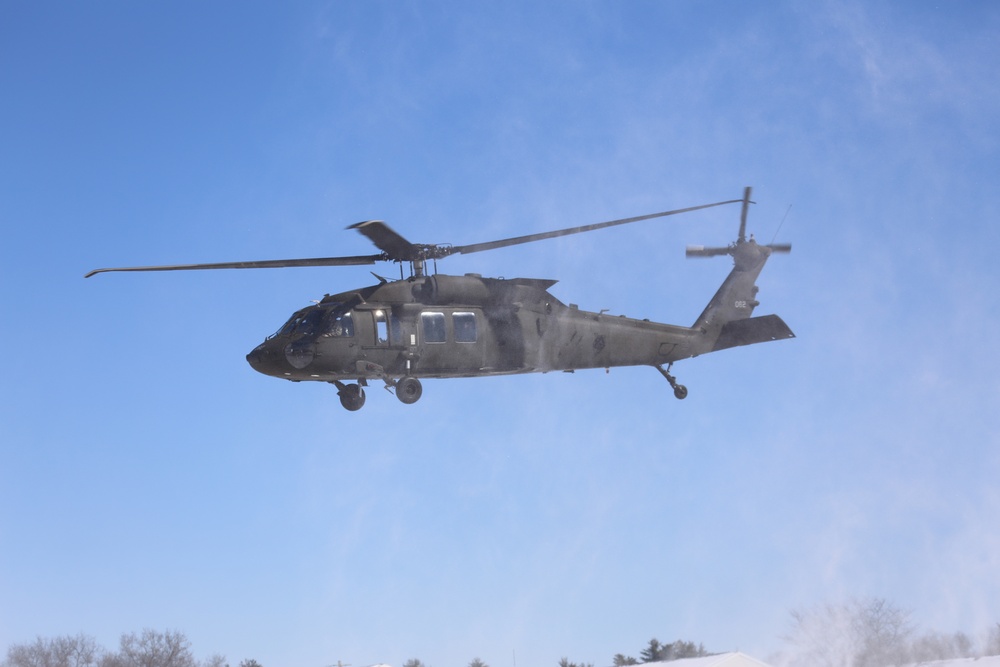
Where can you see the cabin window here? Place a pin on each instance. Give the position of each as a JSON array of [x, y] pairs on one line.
[[395, 330], [465, 327], [433, 326], [381, 327]]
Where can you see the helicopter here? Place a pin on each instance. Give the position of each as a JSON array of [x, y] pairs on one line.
[[431, 325]]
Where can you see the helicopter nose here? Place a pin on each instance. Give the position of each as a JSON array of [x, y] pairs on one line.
[[258, 358]]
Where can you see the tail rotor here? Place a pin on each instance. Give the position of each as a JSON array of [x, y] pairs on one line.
[[735, 249]]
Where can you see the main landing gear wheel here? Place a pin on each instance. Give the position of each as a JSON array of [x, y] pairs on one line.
[[352, 396], [409, 390], [680, 391]]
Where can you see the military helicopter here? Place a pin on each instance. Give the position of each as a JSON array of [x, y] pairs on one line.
[[431, 325]]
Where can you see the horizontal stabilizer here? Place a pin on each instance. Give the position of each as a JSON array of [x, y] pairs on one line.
[[752, 330]]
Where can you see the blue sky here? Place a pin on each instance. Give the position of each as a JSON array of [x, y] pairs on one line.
[[150, 478]]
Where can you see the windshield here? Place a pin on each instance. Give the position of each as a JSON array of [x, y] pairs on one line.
[[302, 322], [309, 322], [328, 320]]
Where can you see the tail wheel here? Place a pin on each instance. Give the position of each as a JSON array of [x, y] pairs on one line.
[[680, 391], [409, 390], [352, 397]]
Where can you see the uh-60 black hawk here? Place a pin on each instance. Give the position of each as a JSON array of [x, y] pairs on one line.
[[431, 325]]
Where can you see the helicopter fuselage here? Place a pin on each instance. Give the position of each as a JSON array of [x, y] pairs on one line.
[[444, 326]]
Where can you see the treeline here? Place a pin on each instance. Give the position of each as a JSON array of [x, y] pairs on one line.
[[148, 648], [870, 632], [873, 632], [654, 652], [657, 652]]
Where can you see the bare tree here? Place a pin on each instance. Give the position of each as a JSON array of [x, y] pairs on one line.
[[476, 662], [821, 637], [152, 649], [78, 651], [883, 631], [869, 632], [932, 646], [993, 641]]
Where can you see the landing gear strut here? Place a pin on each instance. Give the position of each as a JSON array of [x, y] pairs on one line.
[[680, 391]]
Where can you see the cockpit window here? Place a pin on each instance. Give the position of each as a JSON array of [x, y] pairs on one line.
[[318, 321], [309, 322], [339, 325], [289, 325]]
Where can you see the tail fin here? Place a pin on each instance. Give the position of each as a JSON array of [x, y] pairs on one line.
[[727, 320], [736, 298]]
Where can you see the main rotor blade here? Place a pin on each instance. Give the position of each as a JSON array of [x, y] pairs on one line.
[[388, 240], [530, 238], [264, 264], [779, 247]]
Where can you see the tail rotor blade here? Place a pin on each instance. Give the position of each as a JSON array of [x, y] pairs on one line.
[[743, 213], [702, 251]]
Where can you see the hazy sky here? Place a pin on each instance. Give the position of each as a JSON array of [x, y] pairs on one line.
[[150, 478]]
